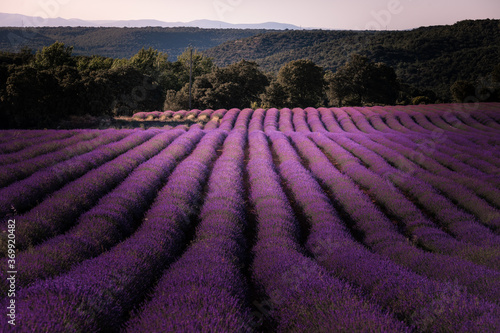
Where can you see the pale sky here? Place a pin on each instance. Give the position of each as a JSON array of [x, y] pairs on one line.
[[326, 14]]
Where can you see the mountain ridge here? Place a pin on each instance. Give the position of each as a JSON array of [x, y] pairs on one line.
[[21, 21]]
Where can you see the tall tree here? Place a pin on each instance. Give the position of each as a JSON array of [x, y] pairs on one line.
[[302, 82], [361, 81]]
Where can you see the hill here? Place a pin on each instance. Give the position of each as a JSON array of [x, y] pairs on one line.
[[428, 58], [120, 42]]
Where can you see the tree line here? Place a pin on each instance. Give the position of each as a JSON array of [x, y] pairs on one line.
[[38, 89]]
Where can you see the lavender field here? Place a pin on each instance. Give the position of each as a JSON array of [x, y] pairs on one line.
[[363, 219]]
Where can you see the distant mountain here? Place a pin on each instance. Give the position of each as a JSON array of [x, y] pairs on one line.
[[120, 42], [17, 20]]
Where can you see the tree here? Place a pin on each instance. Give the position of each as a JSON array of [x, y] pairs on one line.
[[31, 98], [461, 90], [302, 81], [150, 61], [235, 86], [361, 81], [54, 56], [133, 90], [201, 65], [275, 96]]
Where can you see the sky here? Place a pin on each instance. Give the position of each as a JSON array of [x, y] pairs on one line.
[[325, 14]]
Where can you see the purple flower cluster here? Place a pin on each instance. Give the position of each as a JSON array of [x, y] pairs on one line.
[[256, 123], [299, 120], [345, 121], [464, 185], [459, 223], [417, 226], [215, 119], [271, 120], [329, 120], [58, 212], [314, 120], [285, 121]]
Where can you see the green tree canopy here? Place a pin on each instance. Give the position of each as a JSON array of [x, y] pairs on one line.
[[54, 55], [301, 82], [235, 86], [361, 81]]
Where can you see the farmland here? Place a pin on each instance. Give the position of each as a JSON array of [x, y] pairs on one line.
[[354, 219]]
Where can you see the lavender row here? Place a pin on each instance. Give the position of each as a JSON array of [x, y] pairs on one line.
[[299, 120], [375, 119], [24, 142], [204, 290], [227, 122], [114, 218], [271, 120], [285, 121], [329, 120], [24, 194], [471, 159], [445, 165], [345, 121], [411, 296], [46, 147], [300, 295], [437, 118], [466, 139], [17, 171], [256, 123], [380, 234], [361, 121], [453, 185], [215, 119], [456, 116], [419, 124], [455, 221], [205, 115], [418, 228], [242, 121], [459, 135], [99, 294], [14, 134], [314, 120]]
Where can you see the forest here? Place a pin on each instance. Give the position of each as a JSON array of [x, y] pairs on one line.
[[39, 88]]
